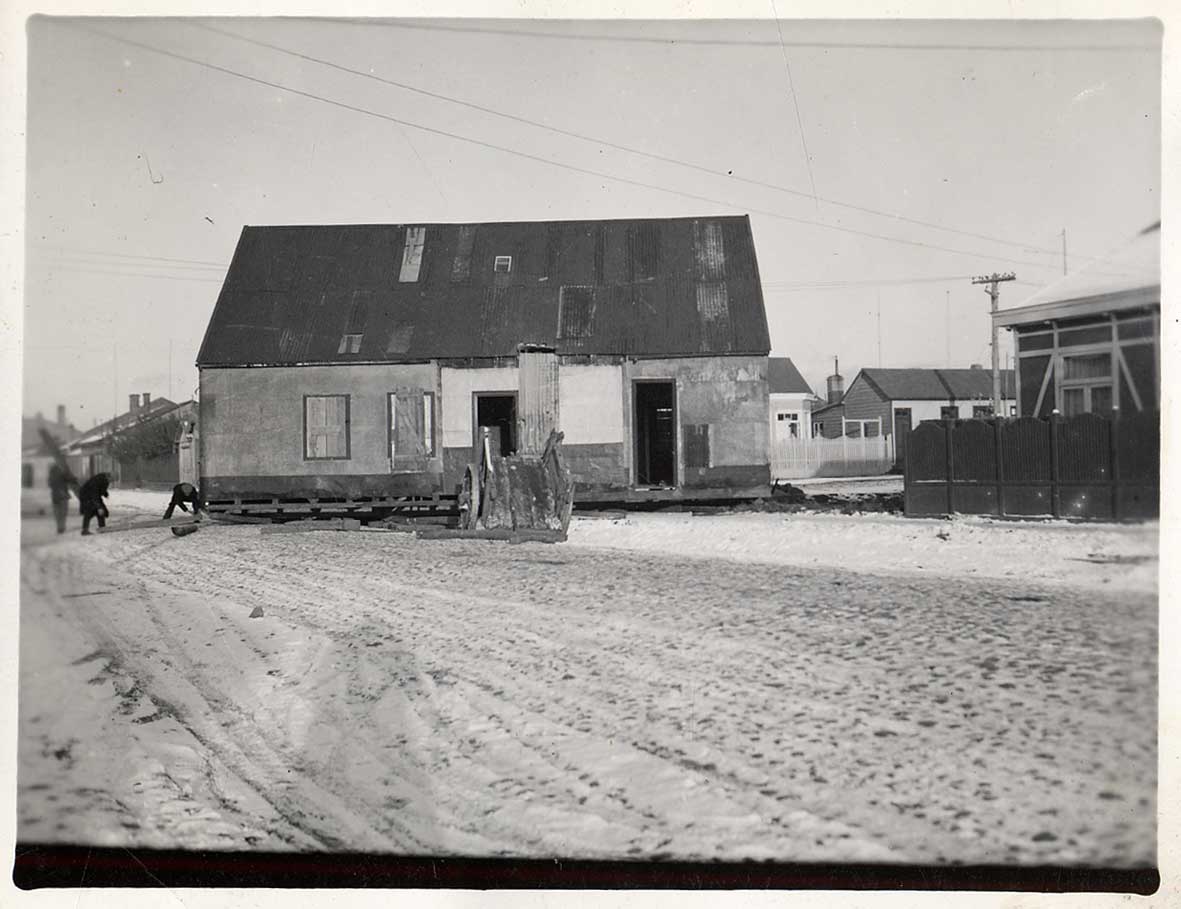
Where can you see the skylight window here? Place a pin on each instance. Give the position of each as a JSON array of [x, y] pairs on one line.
[[503, 265]]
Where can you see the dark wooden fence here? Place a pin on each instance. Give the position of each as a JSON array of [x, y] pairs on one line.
[[1086, 466]]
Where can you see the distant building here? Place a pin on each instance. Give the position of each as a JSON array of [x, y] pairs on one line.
[[1091, 341], [364, 362], [791, 400], [35, 455], [96, 450], [892, 401]]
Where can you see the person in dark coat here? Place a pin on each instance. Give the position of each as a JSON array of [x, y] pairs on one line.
[[60, 483], [90, 501], [184, 494]]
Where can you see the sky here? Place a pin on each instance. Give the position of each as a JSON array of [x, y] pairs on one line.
[[882, 164]]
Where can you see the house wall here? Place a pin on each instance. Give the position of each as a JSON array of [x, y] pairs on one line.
[[252, 431], [729, 394], [863, 402], [252, 426], [1130, 339]]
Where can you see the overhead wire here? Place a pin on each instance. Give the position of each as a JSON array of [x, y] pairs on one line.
[[117, 255], [728, 42], [548, 161], [654, 156]]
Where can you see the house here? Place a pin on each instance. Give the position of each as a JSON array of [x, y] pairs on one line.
[[364, 361], [35, 455], [891, 401], [1091, 341], [136, 447], [791, 400]]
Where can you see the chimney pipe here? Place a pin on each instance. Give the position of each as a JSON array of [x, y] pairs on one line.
[[61, 414], [133, 403], [836, 384], [146, 400]]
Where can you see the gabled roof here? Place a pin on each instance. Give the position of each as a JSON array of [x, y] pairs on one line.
[[784, 378], [661, 287], [935, 384], [157, 407], [31, 441]]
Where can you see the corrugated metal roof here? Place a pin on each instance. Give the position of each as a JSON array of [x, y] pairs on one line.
[[292, 293], [935, 384], [784, 378]]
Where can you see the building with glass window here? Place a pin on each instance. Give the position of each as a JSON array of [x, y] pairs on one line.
[[1091, 342], [364, 362]]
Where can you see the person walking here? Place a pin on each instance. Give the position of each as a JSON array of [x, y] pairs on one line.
[[60, 481], [90, 501]]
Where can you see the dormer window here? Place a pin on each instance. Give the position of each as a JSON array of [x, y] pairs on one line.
[[412, 254], [503, 265], [349, 344]]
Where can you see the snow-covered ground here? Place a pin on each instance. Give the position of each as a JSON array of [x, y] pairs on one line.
[[797, 687]]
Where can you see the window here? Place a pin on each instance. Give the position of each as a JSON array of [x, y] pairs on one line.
[[503, 265], [1086, 384], [412, 254], [326, 427], [411, 427], [349, 344], [949, 412], [981, 411]]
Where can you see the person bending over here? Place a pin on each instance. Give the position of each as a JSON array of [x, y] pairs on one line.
[[183, 495], [90, 501]]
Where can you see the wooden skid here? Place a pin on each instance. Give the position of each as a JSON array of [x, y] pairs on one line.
[[304, 526], [144, 525], [523, 535]]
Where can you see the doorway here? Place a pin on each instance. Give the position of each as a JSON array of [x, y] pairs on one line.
[[656, 437], [497, 412], [902, 424]]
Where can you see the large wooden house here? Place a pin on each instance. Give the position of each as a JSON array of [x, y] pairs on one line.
[[364, 362]]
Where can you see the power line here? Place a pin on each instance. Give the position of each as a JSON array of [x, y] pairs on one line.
[[583, 137], [820, 285], [136, 274], [548, 161], [728, 42], [791, 84], [96, 252], [80, 260]]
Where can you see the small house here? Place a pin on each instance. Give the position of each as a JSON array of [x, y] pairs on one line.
[[136, 447], [36, 457], [791, 400], [363, 362], [891, 402], [1091, 342]]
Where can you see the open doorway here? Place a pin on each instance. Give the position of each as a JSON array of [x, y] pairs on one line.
[[656, 438], [497, 412]]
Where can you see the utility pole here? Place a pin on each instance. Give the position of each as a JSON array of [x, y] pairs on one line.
[[1064, 250], [994, 294], [947, 323], [879, 329]]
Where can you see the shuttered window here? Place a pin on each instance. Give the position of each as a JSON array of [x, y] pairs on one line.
[[326, 427], [349, 344], [696, 444], [412, 428], [412, 254]]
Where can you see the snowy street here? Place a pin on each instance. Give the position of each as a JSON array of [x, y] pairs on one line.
[[660, 686]]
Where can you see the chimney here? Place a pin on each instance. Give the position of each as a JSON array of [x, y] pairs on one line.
[[976, 366], [836, 384], [133, 403], [61, 414], [146, 400]]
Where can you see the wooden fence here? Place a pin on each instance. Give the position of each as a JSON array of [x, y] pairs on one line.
[[1086, 466], [846, 456]]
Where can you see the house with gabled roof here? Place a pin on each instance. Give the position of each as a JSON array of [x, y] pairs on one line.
[[791, 400], [892, 401], [364, 362]]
